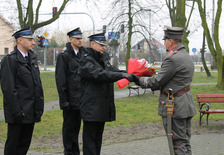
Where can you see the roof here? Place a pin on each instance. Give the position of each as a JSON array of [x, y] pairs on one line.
[[7, 22], [153, 42], [156, 43]]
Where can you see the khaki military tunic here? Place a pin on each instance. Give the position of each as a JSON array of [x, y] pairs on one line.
[[176, 73]]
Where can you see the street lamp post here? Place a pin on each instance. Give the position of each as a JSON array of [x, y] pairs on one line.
[[149, 32], [76, 13], [85, 14]]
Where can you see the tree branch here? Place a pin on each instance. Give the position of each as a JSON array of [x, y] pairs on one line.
[[20, 13], [216, 29], [206, 29], [37, 12], [188, 20], [38, 25], [30, 13]]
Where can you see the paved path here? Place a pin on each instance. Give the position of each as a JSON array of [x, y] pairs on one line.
[[207, 144]]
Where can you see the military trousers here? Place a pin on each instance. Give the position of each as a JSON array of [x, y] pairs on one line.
[[70, 131], [18, 139], [181, 130], [92, 137]]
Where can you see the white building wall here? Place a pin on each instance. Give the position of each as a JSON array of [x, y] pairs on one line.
[[6, 39]]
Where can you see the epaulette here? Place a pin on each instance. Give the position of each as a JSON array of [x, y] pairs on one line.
[[173, 53]]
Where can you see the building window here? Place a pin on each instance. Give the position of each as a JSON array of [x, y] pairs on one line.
[[6, 50]]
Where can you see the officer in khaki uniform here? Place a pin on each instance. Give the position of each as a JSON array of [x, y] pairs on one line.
[[176, 73]]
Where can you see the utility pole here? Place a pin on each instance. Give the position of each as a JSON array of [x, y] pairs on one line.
[[54, 57], [149, 35], [45, 58]]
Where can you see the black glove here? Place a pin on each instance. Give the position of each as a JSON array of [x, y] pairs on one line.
[[135, 79], [123, 71], [128, 77], [65, 106], [38, 116], [19, 117]]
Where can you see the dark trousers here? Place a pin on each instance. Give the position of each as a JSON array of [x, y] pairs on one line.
[[181, 129], [92, 137], [18, 139], [70, 131]]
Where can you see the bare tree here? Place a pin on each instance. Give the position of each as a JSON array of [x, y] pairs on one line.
[[29, 16], [134, 16], [214, 45]]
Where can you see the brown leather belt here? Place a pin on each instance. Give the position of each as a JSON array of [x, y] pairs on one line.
[[178, 93]]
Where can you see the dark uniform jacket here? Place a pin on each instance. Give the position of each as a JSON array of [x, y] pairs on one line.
[[98, 77], [21, 87], [176, 73], [67, 78]]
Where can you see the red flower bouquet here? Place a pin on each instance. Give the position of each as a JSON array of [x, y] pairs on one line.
[[137, 67]]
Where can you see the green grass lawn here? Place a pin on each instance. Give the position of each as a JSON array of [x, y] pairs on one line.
[[201, 77], [51, 94], [128, 110]]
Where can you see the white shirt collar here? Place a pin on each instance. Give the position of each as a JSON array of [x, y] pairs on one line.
[[23, 54], [76, 52]]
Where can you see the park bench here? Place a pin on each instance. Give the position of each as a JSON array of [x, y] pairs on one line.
[[204, 107], [136, 88]]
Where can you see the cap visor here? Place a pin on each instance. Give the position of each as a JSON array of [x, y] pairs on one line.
[[101, 42], [76, 36], [28, 36]]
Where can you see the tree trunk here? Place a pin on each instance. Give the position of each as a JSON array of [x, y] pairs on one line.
[[215, 47], [178, 17], [203, 57], [181, 21], [203, 50], [130, 20]]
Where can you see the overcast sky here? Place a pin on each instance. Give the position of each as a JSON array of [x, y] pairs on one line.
[[71, 21]]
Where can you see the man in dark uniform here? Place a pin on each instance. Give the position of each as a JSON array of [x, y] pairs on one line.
[[23, 93], [97, 101], [176, 73], [68, 84]]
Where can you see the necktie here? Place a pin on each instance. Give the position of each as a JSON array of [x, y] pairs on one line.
[[79, 55], [27, 59]]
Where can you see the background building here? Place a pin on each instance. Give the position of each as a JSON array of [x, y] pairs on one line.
[[153, 53], [6, 39]]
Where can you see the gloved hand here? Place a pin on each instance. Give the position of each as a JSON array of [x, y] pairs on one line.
[[38, 116], [123, 71], [19, 117], [65, 106], [135, 79], [129, 77]]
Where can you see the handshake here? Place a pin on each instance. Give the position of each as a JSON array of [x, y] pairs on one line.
[[131, 77]]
